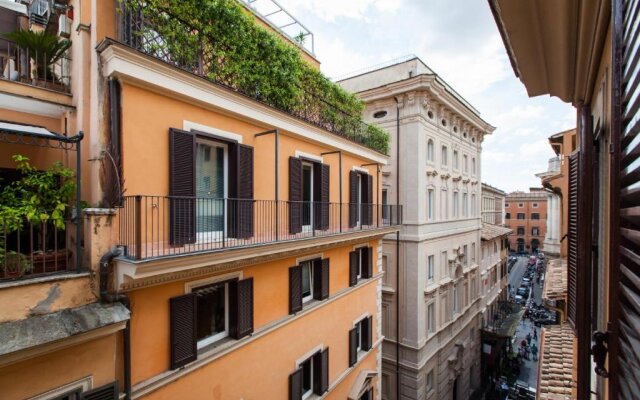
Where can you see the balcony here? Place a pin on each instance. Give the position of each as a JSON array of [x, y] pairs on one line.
[[161, 226]]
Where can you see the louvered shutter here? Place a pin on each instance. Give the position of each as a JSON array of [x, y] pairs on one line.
[[353, 199], [321, 372], [241, 204], [183, 330], [241, 308], [354, 259], [572, 237], [295, 385], [321, 279], [624, 301], [182, 187], [106, 392], [353, 349], [367, 257], [321, 194], [367, 333], [295, 195], [368, 211], [295, 289]]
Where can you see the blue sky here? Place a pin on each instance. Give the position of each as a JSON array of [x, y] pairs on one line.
[[459, 40]]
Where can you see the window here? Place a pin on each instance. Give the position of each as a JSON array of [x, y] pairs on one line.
[[212, 318], [430, 381], [465, 164], [534, 205], [455, 204], [430, 205], [311, 376], [535, 216], [385, 204], [521, 231], [535, 231], [473, 252], [473, 166], [520, 205], [473, 205], [473, 288], [455, 159], [430, 150], [506, 205], [385, 268], [495, 248], [430, 268], [431, 317], [367, 395], [307, 377], [520, 215], [360, 264], [360, 339], [465, 253], [211, 188], [444, 259], [465, 204], [444, 206], [444, 156], [507, 216], [455, 299], [307, 280]]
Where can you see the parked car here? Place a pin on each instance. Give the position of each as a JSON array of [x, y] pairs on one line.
[[519, 299]]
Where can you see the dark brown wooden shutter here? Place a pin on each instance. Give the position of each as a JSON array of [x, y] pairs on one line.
[[183, 330], [321, 279], [321, 372], [105, 392], [182, 187], [321, 192], [241, 308], [572, 238], [295, 195], [353, 199], [367, 333], [367, 257], [295, 385], [295, 289], [354, 259], [241, 204], [368, 211], [353, 349]]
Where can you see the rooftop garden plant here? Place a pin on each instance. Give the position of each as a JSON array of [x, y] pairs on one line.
[[220, 40]]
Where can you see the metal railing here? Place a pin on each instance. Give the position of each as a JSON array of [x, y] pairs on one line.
[[161, 226], [179, 41], [17, 64], [34, 250]]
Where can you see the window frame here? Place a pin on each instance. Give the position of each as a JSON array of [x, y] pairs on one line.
[[444, 156], [430, 151], [81, 385], [431, 204], [431, 317], [429, 380], [308, 357], [310, 264], [431, 261], [456, 160]]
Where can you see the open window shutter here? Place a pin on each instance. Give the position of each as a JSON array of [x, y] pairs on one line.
[[295, 385], [367, 333], [367, 268], [321, 279], [182, 187], [353, 198], [323, 209], [295, 289], [241, 205], [106, 392], [572, 237], [295, 195], [183, 330], [354, 258], [353, 350], [241, 308], [369, 203], [321, 372]]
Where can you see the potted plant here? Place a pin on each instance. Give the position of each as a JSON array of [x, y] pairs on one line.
[[39, 198], [44, 50]]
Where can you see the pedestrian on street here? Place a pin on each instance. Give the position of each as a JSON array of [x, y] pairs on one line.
[[535, 334], [529, 339], [534, 351]]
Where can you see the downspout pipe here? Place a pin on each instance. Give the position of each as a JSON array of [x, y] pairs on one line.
[[107, 297], [397, 250]]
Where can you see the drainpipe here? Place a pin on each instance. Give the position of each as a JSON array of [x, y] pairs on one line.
[[107, 297], [397, 250]]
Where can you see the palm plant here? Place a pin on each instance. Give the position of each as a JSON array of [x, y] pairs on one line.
[[43, 48]]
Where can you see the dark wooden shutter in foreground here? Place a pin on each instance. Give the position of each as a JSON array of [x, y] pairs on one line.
[[106, 392], [367, 333], [367, 257], [321, 279], [295, 195], [321, 189], [295, 385], [241, 308], [182, 187], [295, 289], [572, 237], [353, 349], [183, 330], [354, 259], [367, 213], [353, 198], [321, 372], [241, 202]]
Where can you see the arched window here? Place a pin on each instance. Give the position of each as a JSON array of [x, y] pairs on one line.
[[455, 159], [430, 150]]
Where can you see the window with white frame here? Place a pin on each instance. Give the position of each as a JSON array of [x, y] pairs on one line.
[[429, 380], [430, 204], [465, 204], [307, 280], [465, 252], [455, 160], [473, 205], [212, 319], [473, 288], [520, 205], [444, 260], [430, 150], [455, 204], [444, 156], [454, 303], [465, 164], [444, 206], [534, 205], [430, 268], [431, 317], [473, 252]]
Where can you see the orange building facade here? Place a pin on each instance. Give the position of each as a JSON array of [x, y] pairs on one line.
[[525, 215], [227, 249]]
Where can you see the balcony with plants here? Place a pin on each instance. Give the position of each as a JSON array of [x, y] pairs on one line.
[[220, 41]]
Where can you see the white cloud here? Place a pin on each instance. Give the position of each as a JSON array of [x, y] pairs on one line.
[[330, 10]]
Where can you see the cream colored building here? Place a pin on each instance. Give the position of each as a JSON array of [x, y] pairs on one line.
[[492, 205], [433, 348]]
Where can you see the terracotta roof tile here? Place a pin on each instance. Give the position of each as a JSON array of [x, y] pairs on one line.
[[556, 374]]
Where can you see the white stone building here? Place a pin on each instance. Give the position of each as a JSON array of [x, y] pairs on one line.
[[435, 173], [492, 205]]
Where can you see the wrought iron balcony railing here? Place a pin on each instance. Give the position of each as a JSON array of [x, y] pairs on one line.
[[161, 226]]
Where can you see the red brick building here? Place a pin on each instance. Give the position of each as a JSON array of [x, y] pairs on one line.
[[526, 215]]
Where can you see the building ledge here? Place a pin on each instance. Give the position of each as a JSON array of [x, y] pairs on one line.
[[22, 97]]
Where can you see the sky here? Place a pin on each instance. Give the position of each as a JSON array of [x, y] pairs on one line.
[[459, 40]]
